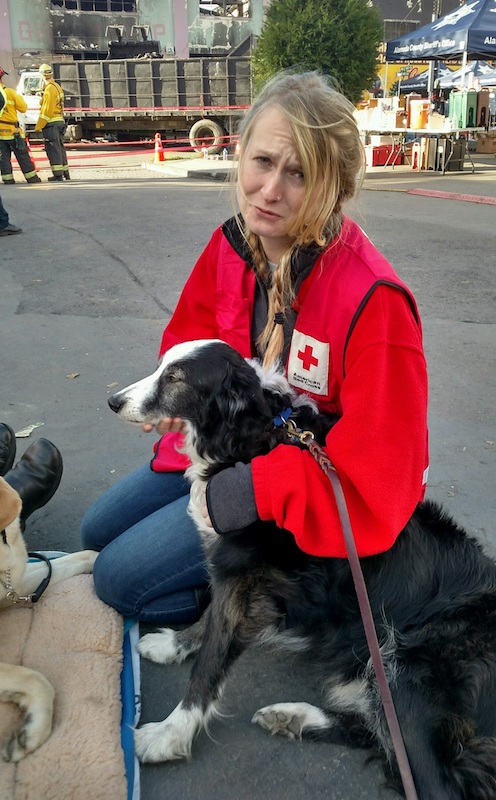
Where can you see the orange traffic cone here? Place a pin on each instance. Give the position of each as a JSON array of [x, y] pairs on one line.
[[159, 150]]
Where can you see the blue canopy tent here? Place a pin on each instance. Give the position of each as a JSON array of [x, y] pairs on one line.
[[469, 32], [420, 83], [479, 70]]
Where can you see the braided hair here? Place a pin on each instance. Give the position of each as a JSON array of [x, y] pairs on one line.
[[327, 142]]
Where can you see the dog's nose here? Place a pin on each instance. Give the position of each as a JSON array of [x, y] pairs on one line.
[[115, 402]]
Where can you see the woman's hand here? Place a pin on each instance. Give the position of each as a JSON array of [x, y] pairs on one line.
[[165, 425]]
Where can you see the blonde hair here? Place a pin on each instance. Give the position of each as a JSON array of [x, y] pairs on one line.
[[331, 154]]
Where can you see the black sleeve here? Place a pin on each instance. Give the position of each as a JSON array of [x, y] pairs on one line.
[[231, 500]]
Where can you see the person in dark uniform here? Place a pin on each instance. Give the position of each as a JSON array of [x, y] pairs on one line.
[[439, 98]]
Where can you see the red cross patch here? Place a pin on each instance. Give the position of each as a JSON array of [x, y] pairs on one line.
[[308, 364]]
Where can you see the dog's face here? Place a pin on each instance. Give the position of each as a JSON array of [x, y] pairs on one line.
[[227, 402], [12, 548], [190, 378], [10, 504]]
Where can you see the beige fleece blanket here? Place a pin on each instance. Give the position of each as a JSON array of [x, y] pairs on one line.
[[76, 642]]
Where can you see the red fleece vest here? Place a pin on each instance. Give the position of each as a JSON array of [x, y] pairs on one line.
[[329, 304]]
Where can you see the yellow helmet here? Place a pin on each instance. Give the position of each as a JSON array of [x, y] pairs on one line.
[[45, 69]]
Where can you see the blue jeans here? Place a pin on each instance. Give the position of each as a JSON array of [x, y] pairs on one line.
[[4, 217], [151, 563]]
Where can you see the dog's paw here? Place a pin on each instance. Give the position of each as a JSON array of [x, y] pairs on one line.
[[163, 647], [78, 563], [37, 702], [158, 741], [168, 740], [289, 719], [86, 558], [18, 746], [25, 740]]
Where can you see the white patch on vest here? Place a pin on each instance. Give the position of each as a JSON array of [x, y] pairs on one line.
[[308, 365], [425, 476]]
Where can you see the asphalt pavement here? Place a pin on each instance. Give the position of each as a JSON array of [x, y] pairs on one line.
[[85, 293]]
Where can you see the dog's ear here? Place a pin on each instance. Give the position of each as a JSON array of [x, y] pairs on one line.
[[276, 401], [233, 417], [277, 392], [10, 504], [241, 394]]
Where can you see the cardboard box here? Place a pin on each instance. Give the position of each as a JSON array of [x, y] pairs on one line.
[[486, 144], [436, 122], [396, 119]]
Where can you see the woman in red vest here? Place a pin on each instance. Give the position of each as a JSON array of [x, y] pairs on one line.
[[289, 277]]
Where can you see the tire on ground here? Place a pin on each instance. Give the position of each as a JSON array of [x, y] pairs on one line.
[[206, 133]]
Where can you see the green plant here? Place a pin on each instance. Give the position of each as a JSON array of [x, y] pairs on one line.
[[337, 37]]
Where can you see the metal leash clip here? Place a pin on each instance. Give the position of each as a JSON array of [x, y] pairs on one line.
[[30, 599], [295, 433], [17, 600]]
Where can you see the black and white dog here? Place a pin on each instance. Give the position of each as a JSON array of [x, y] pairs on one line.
[[433, 597]]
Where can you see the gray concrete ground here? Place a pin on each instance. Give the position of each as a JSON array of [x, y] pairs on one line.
[[85, 293]]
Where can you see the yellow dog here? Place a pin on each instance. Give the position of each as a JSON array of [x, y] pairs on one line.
[[18, 581]]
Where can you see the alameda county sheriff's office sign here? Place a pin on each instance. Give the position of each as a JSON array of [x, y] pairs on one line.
[[470, 29]]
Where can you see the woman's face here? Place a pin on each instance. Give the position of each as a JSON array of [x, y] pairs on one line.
[[271, 187]]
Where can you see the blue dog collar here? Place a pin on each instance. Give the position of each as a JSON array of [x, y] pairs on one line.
[[283, 417]]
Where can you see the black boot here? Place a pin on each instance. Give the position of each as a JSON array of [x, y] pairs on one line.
[[36, 476], [52, 178], [7, 448]]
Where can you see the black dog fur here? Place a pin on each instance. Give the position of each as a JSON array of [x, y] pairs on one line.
[[433, 597]]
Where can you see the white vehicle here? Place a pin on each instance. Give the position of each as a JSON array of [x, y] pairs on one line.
[[30, 86]]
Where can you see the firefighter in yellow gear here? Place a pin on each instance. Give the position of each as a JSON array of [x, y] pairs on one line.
[[52, 124], [12, 139]]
